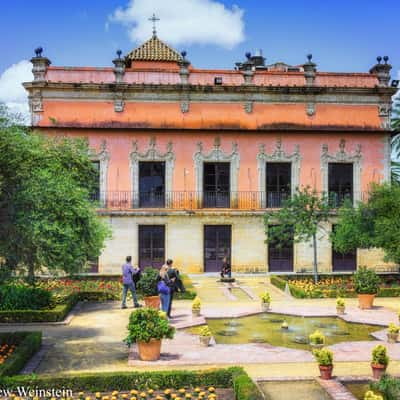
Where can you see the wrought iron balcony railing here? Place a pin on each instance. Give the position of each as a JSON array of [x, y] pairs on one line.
[[189, 200]]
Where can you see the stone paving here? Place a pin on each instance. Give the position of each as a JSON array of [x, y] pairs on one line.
[[93, 339]]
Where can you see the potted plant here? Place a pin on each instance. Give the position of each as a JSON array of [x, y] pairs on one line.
[[340, 306], [147, 286], [205, 336], [317, 339], [370, 395], [265, 301], [380, 361], [393, 333], [196, 307], [147, 327], [324, 359], [366, 285]]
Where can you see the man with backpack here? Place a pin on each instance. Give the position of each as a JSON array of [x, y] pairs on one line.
[[130, 276]]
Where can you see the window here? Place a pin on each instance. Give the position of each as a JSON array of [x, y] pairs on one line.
[[151, 184], [95, 190], [216, 185], [278, 183], [151, 246], [280, 256], [340, 183], [217, 245], [93, 266]]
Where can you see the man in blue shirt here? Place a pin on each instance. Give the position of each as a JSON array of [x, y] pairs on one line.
[[128, 271]]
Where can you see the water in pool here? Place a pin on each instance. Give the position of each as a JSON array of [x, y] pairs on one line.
[[267, 328], [305, 390]]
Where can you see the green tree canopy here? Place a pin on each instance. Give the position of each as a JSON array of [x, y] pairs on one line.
[[46, 218], [373, 224], [396, 144], [298, 220]]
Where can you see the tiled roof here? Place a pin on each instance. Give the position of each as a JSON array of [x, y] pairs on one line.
[[154, 50]]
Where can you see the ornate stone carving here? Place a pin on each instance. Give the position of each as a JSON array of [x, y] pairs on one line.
[[119, 103], [119, 67], [39, 69], [310, 109], [385, 111], [342, 156], [278, 155], [185, 106], [217, 155], [248, 106], [151, 154], [36, 101], [103, 156]]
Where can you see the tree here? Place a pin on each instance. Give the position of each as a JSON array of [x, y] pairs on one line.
[[298, 220], [46, 218], [375, 224], [396, 145]]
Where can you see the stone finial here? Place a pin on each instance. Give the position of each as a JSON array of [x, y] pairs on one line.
[[247, 69], [310, 69], [184, 68], [382, 71], [119, 67], [40, 65]]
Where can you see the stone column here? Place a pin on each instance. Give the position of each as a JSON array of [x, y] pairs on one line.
[[382, 71], [40, 65], [119, 67], [184, 69], [310, 70]]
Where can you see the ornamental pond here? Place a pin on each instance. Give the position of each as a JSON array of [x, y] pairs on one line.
[[267, 328]]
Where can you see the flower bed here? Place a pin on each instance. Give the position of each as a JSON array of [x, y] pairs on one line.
[[332, 286], [16, 349], [233, 378]]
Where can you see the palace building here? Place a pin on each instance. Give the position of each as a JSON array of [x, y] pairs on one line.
[[190, 159]]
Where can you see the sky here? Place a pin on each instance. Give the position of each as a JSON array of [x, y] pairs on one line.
[[344, 36]]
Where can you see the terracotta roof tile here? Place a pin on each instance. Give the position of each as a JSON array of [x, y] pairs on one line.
[[154, 50]]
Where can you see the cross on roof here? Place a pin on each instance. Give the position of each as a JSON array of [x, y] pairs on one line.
[[154, 19]]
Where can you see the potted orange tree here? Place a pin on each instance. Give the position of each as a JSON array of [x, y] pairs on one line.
[[147, 286], [380, 361], [324, 359], [147, 327], [366, 285]]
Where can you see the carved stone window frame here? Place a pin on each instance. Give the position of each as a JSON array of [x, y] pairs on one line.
[[278, 155], [342, 156], [217, 155], [151, 154], [104, 158]]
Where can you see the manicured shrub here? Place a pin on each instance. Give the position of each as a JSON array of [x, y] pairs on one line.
[[379, 355], [243, 386], [388, 386], [28, 343], [366, 281], [324, 357], [147, 284], [19, 297]]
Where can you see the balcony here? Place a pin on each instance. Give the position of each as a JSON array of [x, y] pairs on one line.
[[188, 200]]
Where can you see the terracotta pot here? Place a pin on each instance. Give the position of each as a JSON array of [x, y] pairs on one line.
[[365, 301], [196, 313], [326, 371], [204, 340], [265, 306], [152, 302], [378, 370], [392, 337], [150, 351], [340, 310]]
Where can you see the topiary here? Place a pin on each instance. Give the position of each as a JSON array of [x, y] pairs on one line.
[[147, 284], [379, 355], [317, 337], [366, 281], [20, 297], [146, 324], [324, 357]]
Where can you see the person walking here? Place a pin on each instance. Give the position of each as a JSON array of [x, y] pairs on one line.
[[173, 275], [164, 288], [128, 274], [226, 268]]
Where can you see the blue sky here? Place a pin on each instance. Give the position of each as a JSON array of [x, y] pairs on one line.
[[342, 35]]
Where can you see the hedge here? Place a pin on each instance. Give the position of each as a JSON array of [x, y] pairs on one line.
[[28, 343], [243, 386]]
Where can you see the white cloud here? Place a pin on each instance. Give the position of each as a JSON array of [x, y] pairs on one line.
[[12, 93], [183, 22]]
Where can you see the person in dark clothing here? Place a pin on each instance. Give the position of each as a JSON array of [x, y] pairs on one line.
[[173, 275], [226, 268], [128, 274]]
